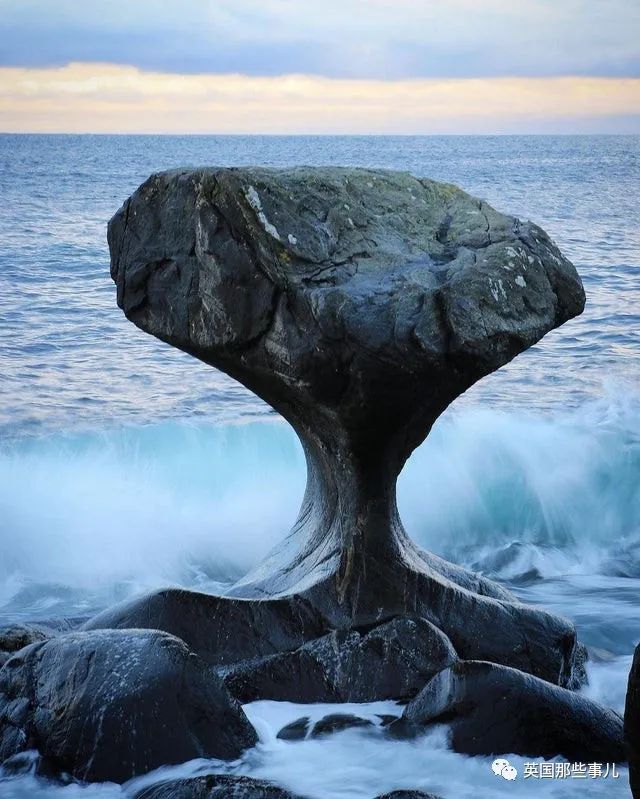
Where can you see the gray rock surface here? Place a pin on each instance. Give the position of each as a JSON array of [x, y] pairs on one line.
[[110, 705], [358, 304], [219, 786], [408, 795], [494, 710], [215, 786], [392, 661], [17, 636], [296, 730], [632, 724], [337, 722]]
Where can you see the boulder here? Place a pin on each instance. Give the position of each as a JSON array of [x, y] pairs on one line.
[[222, 630], [110, 705], [220, 786], [632, 724], [337, 722], [30, 762], [215, 786], [301, 728], [408, 795], [296, 730], [392, 661], [17, 636], [496, 710], [359, 304]]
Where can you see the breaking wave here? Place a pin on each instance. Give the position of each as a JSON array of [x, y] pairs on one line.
[[98, 515]]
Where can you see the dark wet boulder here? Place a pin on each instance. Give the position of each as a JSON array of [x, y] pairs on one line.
[[632, 724], [113, 705], [222, 630], [391, 661], [31, 762], [337, 722], [296, 730], [386, 719], [17, 636], [494, 710], [359, 304], [408, 795], [301, 728], [221, 786], [215, 786]]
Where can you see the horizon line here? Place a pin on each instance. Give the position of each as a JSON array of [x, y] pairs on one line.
[[256, 135]]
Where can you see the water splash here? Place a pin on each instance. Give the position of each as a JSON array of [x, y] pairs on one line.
[[194, 504], [514, 493], [101, 515]]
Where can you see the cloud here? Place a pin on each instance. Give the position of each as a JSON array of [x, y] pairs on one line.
[[384, 39], [115, 99]]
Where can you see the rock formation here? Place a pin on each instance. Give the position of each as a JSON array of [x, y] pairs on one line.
[[494, 710], [338, 722], [220, 786], [215, 786], [110, 705], [408, 795], [392, 661], [15, 637], [632, 724], [359, 304]]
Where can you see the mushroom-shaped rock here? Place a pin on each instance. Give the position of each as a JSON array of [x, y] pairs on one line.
[[110, 705], [358, 304]]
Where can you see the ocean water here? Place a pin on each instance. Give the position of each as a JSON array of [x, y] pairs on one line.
[[125, 465]]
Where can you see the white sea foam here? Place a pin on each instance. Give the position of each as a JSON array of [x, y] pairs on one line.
[[189, 504], [550, 503], [141, 507], [353, 764]]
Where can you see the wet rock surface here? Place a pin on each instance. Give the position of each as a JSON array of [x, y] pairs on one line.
[[493, 710], [302, 728], [222, 630], [113, 705], [632, 724], [408, 795], [30, 762], [337, 722], [215, 786], [296, 730], [358, 303], [218, 786], [392, 661], [17, 636]]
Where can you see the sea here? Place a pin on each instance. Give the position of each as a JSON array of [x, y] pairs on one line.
[[126, 465]]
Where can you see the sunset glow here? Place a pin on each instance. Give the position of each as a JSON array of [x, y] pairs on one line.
[[107, 98]]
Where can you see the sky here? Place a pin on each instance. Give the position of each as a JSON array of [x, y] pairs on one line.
[[335, 66]]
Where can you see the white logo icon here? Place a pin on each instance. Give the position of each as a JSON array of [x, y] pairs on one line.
[[502, 768]]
